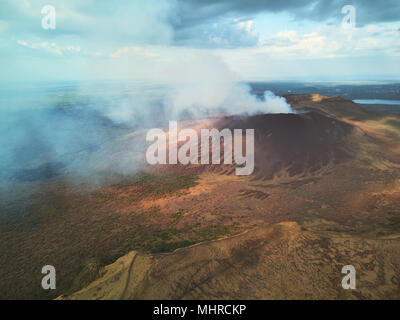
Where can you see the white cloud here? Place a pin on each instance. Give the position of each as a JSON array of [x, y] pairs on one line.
[[74, 48], [333, 42], [134, 51], [23, 43], [50, 47], [226, 33]]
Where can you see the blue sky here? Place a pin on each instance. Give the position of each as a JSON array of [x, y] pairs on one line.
[[142, 40]]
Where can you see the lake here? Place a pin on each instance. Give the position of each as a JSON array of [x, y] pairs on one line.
[[377, 101]]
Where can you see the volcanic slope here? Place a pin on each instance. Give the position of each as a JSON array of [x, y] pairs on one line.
[[325, 193], [326, 178], [282, 261]]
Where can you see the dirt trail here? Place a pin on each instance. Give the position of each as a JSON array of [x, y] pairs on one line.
[[128, 278]]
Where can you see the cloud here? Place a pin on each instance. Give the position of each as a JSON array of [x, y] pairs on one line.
[[74, 48], [368, 11], [227, 33], [137, 39], [134, 51], [332, 42], [196, 23], [52, 47], [120, 21]]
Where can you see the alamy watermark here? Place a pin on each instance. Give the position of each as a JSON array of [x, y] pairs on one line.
[[188, 152], [349, 281], [49, 280], [49, 19], [349, 20]]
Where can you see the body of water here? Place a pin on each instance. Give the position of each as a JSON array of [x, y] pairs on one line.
[[377, 101]]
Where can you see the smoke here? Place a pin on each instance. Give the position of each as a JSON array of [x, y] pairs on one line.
[[203, 84], [85, 131]]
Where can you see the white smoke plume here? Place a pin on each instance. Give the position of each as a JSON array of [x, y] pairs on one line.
[[79, 130], [203, 83]]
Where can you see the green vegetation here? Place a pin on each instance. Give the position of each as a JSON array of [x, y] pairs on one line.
[[172, 239], [79, 233], [394, 123], [160, 247], [394, 223], [158, 186]]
